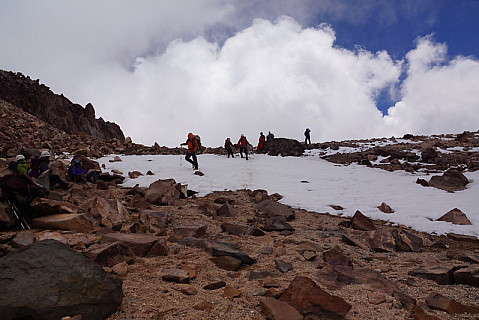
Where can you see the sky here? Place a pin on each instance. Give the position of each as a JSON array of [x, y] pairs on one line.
[[346, 69], [314, 184]]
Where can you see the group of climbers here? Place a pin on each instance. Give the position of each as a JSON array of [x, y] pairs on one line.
[[27, 180]]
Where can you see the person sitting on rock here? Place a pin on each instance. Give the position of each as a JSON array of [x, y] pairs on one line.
[[243, 145], [78, 173], [41, 166], [20, 165], [229, 147], [262, 140]]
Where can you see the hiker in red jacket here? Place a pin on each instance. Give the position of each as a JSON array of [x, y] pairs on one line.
[[243, 145], [262, 140], [229, 147]]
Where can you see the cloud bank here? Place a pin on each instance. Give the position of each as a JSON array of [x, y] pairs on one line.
[[163, 70]]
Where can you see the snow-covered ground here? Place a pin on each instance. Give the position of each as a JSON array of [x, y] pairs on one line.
[[314, 184]]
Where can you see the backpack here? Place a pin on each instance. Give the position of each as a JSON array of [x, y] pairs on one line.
[[198, 139]]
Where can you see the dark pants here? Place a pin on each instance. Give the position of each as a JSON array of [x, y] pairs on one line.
[[192, 155], [230, 152], [307, 139], [245, 152]]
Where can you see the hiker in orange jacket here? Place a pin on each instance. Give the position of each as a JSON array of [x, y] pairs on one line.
[[192, 144], [243, 146]]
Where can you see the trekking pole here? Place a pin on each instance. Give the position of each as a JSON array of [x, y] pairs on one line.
[[16, 212]]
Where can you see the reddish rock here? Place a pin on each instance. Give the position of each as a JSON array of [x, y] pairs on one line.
[[381, 241], [176, 275], [139, 243], [203, 306], [230, 292], [22, 239], [65, 221], [110, 254], [162, 192], [226, 210], [134, 174], [385, 208], [273, 208], [441, 274], [226, 263], [278, 310], [418, 313], [336, 257], [455, 216], [360, 222], [187, 231], [109, 213], [406, 241], [208, 209], [463, 237], [354, 242], [160, 248], [233, 228], [309, 299], [283, 266], [452, 180], [468, 276], [451, 306]]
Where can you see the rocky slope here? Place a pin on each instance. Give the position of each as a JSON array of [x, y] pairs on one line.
[[38, 100], [228, 255]]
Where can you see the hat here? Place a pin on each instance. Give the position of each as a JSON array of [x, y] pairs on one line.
[[20, 157], [45, 154]]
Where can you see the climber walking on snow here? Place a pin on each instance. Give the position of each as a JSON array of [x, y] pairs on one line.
[[243, 146], [192, 144]]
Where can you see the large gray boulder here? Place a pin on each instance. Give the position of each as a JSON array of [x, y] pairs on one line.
[[48, 280]]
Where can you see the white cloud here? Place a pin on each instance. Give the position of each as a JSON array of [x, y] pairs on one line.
[[153, 69], [438, 96]]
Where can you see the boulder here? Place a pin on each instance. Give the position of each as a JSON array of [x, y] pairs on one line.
[[277, 223], [49, 280], [42, 206], [455, 216], [110, 254], [468, 276], [360, 222], [222, 248], [176, 275], [162, 192], [312, 301], [233, 228], [109, 213], [273, 208], [278, 310], [381, 241], [452, 180], [441, 274], [226, 210], [406, 241], [190, 231], [64, 221], [155, 221], [284, 147], [384, 207], [451, 306], [139, 243], [22, 239], [226, 263]]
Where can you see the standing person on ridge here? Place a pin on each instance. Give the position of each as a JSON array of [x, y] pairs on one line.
[[262, 140], [270, 136], [307, 136], [192, 144], [243, 145], [228, 147]]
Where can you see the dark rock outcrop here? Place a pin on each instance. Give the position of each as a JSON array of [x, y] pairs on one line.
[[37, 99], [49, 280], [284, 147]]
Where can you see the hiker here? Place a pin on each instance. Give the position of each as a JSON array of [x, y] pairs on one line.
[[77, 173], [229, 147], [20, 189], [307, 136], [262, 140], [270, 136], [40, 166], [192, 144], [20, 165], [243, 145]]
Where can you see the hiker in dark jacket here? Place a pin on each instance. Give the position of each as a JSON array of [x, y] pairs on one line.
[[229, 147], [307, 136], [42, 166]]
